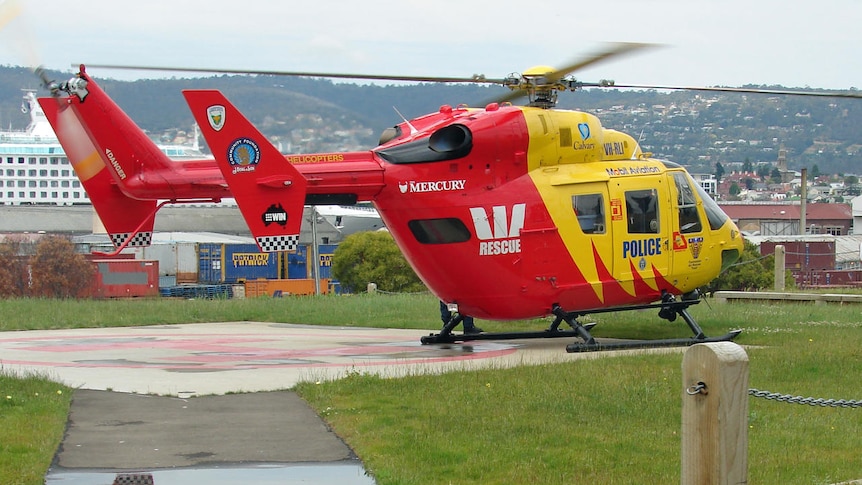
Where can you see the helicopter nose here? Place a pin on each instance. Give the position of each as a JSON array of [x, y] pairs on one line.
[[733, 246]]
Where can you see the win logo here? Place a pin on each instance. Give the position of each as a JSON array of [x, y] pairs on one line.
[[498, 234]]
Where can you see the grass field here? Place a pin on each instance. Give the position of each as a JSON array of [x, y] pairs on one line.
[[610, 420], [33, 413]]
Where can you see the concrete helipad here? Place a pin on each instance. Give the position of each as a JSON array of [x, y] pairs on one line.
[[198, 427], [218, 358]]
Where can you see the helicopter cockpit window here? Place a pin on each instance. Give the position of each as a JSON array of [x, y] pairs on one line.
[[439, 231], [689, 218], [642, 211], [590, 210]]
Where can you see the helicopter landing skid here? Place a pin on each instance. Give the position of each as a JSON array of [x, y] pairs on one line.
[[553, 331], [669, 309], [441, 338], [649, 343]]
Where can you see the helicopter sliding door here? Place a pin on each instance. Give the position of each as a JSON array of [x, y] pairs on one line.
[[641, 227]]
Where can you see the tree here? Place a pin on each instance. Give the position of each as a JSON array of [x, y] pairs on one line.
[[734, 189], [719, 172], [815, 171], [747, 166], [762, 171], [775, 175], [373, 257], [750, 272], [58, 271], [13, 269]]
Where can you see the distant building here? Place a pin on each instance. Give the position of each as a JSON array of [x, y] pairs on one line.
[[856, 205], [767, 219], [707, 182]]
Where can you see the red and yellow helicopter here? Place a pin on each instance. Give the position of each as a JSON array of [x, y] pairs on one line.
[[509, 212]]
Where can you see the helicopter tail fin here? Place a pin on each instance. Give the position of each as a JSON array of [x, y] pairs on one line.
[[128, 221], [269, 191]]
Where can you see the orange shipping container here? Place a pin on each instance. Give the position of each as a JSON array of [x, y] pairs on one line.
[[269, 288]]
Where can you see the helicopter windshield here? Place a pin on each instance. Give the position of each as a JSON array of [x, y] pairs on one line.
[[714, 214]]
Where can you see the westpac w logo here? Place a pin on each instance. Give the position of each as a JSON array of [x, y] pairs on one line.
[[498, 235]]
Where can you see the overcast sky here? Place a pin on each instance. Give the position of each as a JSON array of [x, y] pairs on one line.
[[705, 42]]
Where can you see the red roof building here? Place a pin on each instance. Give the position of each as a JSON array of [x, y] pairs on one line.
[[784, 219]]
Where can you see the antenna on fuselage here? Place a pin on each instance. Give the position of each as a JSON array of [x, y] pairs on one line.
[[638, 150], [413, 130]]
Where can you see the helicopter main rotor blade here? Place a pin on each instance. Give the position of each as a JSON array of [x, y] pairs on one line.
[[790, 92], [476, 78], [611, 51]]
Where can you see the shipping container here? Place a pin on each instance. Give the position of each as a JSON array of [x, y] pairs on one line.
[[324, 253], [122, 278], [803, 255], [298, 266], [278, 288], [297, 263], [828, 279], [177, 259], [232, 263]]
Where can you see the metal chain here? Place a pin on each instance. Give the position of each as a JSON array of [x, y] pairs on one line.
[[811, 401]]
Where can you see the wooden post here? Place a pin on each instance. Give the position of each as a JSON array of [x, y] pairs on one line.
[[715, 415], [779, 267]]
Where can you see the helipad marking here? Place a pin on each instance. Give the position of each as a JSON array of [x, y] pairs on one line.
[[214, 352]]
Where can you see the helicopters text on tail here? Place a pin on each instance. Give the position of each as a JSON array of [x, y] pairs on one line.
[[135, 220], [270, 192]]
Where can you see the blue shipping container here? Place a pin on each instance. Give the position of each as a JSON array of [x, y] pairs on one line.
[[297, 263], [325, 252], [230, 263], [209, 262]]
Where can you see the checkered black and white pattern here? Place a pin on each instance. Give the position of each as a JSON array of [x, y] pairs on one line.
[[134, 479], [138, 240], [269, 244]]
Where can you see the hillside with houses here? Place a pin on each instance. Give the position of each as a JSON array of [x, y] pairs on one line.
[[698, 130]]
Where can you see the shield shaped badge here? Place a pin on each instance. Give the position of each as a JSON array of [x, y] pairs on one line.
[[215, 115]]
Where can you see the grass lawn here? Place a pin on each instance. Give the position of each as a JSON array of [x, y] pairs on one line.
[[610, 420], [33, 413]]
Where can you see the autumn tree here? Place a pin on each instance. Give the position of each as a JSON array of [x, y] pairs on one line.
[[58, 271], [373, 257], [13, 269]]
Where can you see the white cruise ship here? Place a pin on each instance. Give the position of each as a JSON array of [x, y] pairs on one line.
[[34, 169]]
